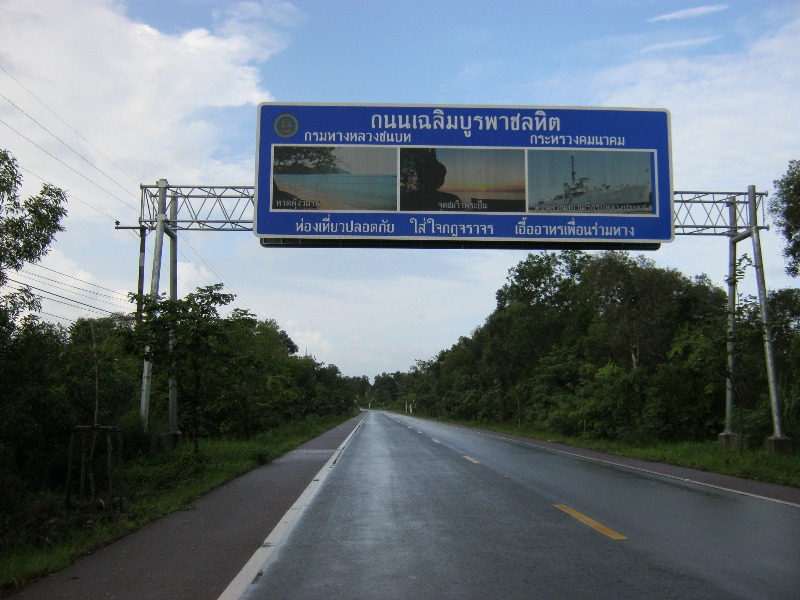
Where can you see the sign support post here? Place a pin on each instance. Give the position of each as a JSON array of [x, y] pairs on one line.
[[777, 443]]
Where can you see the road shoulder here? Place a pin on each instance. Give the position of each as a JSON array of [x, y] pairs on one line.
[[194, 554], [771, 491]]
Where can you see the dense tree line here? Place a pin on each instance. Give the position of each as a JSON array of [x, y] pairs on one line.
[[608, 346], [237, 375], [245, 379]]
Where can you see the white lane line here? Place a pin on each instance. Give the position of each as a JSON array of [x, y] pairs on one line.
[[623, 466], [472, 460], [253, 568]]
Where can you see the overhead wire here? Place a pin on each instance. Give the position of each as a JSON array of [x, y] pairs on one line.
[[91, 181], [94, 295], [67, 146], [74, 170], [76, 279], [119, 299], [70, 127], [56, 316], [72, 196], [63, 298], [210, 268], [130, 232]]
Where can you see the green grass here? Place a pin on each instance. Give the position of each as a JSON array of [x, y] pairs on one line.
[[49, 538], [705, 456]]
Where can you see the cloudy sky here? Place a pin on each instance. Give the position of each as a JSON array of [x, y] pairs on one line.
[[98, 96]]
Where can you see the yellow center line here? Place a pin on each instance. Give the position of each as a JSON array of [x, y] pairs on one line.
[[470, 459], [591, 522]]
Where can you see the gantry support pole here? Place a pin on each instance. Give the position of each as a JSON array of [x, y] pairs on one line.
[[729, 437], [173, 295], [777, 443], [140, 286], [147, 370]]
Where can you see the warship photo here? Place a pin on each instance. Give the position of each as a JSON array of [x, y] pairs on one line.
[[580, 195]]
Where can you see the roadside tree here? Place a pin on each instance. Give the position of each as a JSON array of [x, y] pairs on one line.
[[27, 228], [784, 206], [197, 332]]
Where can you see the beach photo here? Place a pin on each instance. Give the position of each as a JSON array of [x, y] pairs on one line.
[[612, 181], [334, 178], [462, 179]]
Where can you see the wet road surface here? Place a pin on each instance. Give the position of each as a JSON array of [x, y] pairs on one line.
[[418, 509]]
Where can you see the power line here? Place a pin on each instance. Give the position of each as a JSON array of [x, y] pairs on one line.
[[99, 311], [118, 294], [76, 279], [61, 286], [56, 316], [66, 145], [75, 131], [202, 259], [71, 196], [50, 154], [44, 291]]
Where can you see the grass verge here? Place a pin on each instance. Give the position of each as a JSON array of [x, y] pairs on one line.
[[50, 537]]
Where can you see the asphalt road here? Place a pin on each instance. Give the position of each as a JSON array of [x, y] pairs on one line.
[[418, 509]]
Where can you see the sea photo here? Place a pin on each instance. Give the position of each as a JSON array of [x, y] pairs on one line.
[[462, 179], [331, 178], [596, 181]]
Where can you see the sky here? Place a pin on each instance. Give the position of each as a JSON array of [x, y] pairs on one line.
[[100, 96]]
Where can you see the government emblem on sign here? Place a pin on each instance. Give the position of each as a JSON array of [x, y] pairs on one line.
[[286, 125]]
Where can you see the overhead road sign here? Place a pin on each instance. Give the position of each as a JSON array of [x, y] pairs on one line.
[[463, 176]]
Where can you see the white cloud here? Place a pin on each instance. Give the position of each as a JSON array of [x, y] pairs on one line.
[[260, 26], [312, 343], [729, 111], [135, 92], [678, 44], [146, 100], [690, 13], [731, 127]]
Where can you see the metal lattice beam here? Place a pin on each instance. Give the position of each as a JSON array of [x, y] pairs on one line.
[[201, 207], [231, 208], [714, 213]]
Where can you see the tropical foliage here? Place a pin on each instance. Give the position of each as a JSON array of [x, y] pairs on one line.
[[237, 376], [784, 206], [608, 346]]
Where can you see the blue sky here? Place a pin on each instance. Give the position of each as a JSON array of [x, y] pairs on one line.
[[99, 96]]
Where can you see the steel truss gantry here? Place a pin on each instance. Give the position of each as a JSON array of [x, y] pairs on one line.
[[230, 208], [168, 209]]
